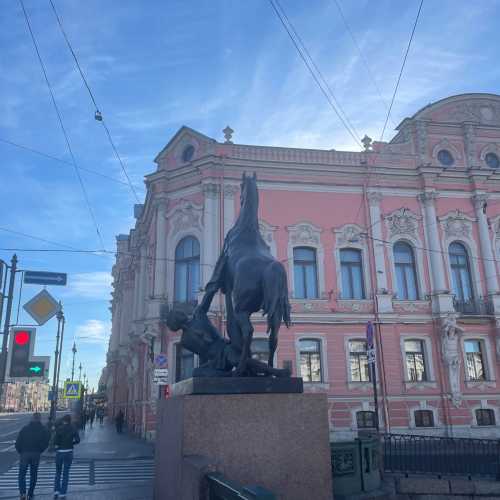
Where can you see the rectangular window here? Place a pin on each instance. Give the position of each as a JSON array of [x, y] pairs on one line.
[[305, 273], [365, 419], [485, 417], [352, 274], [358, 360], [184, 363], [424, 418], [474, 357], [310, 360], [415, 360]]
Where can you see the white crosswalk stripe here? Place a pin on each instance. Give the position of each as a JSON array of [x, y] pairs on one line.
[[78, 475], [113, 471], [86, 473]]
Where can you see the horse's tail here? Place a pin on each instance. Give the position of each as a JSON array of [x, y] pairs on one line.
[[276, 304]]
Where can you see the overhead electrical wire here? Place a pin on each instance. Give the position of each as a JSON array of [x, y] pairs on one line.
[[60, 160], [402, 68], [98, 114], [313, 74], [59, 117]]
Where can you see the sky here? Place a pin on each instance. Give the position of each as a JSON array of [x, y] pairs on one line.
[[155, 66]]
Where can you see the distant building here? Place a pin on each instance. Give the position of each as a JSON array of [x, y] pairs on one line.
[[25, 396], [405, 234]]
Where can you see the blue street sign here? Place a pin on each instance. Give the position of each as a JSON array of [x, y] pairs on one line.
[[51, 395], [72, 389], [45, 278]]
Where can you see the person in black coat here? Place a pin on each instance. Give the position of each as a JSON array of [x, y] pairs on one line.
[[65, 439], [31, 442]]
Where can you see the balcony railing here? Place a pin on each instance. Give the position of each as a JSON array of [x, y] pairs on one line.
[[473, 307]]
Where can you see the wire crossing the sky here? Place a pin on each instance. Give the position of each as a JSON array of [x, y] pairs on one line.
[[98, 115], [59, 117]]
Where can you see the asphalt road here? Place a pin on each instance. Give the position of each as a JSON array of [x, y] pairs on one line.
[[10, 425]]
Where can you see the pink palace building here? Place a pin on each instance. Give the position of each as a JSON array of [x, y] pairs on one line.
[[405, 234]]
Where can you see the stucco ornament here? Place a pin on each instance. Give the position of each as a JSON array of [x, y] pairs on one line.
[[267, 232], [348, 235], [481, 112], [304, 234], [457, 225], [497, 337], [186, 217], [450, 333], [402, 222]]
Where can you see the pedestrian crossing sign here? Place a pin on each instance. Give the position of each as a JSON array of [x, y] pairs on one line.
[[72, 389]]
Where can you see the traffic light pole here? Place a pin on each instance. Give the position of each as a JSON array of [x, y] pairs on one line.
[[60, 349], [8, 311]]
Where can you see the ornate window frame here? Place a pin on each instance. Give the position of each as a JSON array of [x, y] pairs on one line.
[[351, 236], [184, 220], [489, 365], [353, 384], [267, 231], [428, 359], [323, 356], [484, 406], [456, 226], [446, 144], [306, 234], [423, 406], [365, 406], [489, 148]]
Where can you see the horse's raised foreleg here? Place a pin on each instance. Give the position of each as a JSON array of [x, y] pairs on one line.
[[246, 329]]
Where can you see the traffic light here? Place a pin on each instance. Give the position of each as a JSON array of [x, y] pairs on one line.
[[21, 363]]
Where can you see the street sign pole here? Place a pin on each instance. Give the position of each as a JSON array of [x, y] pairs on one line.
[[8, 311], [60, 348], [370, 342], [53, 403]]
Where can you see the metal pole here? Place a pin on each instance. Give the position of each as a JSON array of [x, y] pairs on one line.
[[80, 375], [3, 283], [375, 396], [10, 299], [53, 403], [60, 349], [73, 363]]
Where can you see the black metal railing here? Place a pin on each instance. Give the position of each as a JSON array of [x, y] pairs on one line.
[[473, 307], [439, 455], [220, 488]]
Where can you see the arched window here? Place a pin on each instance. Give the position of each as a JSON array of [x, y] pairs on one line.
[[305, 273], [460, 273], [406, 273], [353, 286], [187, 270]]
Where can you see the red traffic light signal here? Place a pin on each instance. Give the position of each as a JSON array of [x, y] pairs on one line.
[[21, 337]]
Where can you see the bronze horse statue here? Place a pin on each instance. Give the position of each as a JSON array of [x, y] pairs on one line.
[[250, 278]]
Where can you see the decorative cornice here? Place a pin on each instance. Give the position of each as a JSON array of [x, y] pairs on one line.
[[211, 190], [456, 224]]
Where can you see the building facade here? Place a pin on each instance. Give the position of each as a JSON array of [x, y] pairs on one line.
[[405, 234], [25, 396]]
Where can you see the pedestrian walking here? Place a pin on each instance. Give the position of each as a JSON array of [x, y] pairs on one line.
[[64, 441], [84, 420], [119, 421], [92, 417], [100, 415], [31, 442]]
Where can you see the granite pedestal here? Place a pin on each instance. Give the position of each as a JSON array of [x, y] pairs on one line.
[[277, 440]]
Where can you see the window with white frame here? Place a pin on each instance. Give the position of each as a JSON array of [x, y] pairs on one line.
[[424, 418], [305, 273], [475, 365], [351, 268], [184, 363], [260, 350], [460, 273], [310, 360], [365, 419], [415, 360], [485, 416], [358, 361], [187, 270], [406, 272]]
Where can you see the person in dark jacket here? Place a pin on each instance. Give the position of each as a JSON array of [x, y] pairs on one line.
[[119, 421], [65, 439], [31, 442]]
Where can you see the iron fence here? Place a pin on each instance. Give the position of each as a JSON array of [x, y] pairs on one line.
[[440, 455], [473, 307]]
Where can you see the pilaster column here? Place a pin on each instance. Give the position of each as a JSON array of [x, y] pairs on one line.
[[374, 199], [160, 287], [490, 271], [432, 234], [211, 229], [143, 271], [229, 210]]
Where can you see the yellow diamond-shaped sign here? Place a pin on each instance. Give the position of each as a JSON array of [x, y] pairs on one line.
[[42, 307]]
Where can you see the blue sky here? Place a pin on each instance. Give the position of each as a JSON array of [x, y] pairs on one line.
[[154, 66]]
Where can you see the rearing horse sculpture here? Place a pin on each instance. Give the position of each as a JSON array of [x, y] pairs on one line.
[[250, 278]]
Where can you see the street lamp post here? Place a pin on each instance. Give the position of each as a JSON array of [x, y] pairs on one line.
[[80, 375], [73, 364], [55, 388]]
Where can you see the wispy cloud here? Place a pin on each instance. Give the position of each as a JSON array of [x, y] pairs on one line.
[[93, 331], [94, 285]]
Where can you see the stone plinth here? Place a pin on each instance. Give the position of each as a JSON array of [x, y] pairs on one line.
[[278, 441]]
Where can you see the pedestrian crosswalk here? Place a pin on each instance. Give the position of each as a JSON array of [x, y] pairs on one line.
[[84, 473]]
